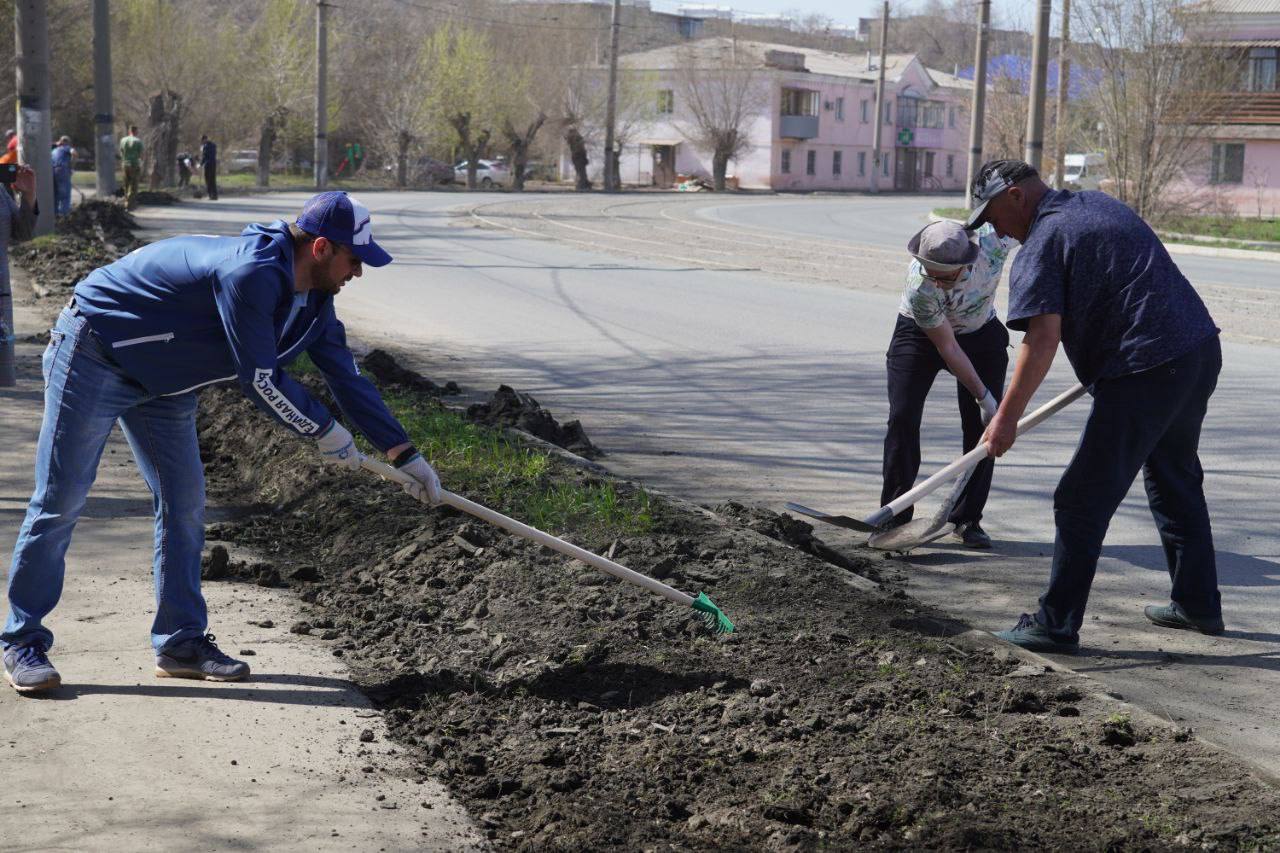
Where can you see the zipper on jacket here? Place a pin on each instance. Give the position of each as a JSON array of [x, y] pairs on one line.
[[166, 337]]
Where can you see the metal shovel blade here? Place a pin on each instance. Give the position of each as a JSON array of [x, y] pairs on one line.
[[838, 520], [922, 531]]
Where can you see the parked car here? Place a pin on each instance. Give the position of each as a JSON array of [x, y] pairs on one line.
[[428, 171], [242, 161], [489, 173]]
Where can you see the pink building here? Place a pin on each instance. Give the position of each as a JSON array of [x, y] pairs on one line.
[[1242, 160], [810, 120]]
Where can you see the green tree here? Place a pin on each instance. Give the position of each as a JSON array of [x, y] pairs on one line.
[[281, 66]]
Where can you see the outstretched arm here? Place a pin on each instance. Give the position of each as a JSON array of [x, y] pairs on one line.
[[1039, 346]]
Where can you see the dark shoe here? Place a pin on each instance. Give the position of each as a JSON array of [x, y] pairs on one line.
[[28, 669], [1171, 615], [199, 658], [1031, 635], [972, 535]]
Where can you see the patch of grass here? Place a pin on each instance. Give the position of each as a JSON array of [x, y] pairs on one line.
[[961, 213], [484, 462], [1227, 227]]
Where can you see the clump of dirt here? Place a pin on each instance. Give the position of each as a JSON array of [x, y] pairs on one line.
[[572, 712], [792, 531], [156, 197], [510, 408], [94, 234], [383, 367]]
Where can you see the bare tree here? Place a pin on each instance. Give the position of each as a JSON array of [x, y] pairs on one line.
[[278, 74], [1158, 96], [721, 96], [468, 91], [519, 142]]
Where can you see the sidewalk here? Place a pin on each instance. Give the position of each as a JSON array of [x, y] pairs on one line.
[[119, 760]]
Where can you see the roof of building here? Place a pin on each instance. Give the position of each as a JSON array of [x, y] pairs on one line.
[[1242, 7], [712, 51]]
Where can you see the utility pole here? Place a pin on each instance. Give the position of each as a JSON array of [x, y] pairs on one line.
[[104, 144], [1064, 88], [878, 127], [1039, 78], [34, 133], [977, 113], [612, 182], [322, 95]]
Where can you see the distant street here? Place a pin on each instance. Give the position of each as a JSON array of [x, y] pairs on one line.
[[732, 347]]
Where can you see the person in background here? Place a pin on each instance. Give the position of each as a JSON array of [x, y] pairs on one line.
[[185, 168], [946, 321], [60, 159], [209, 161], [10, 154], [17, 222], [131, 158]]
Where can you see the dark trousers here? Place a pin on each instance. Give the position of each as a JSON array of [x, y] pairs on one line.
[[913, 362], [1149, 421], [211, 180]]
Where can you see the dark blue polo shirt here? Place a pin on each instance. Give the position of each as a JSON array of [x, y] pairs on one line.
[[1125, 305]]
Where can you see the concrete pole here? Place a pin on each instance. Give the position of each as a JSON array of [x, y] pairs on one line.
[[878, 127], [35, 136], [1064, 83], [104, 144], [1039, 78], [977, 114], [612, 183], [322, 96]]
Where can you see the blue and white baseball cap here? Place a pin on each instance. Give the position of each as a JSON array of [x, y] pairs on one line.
[[338, 217]]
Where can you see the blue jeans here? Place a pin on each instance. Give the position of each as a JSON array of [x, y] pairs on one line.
[[61, 192], [1149, 421], [85, 394]]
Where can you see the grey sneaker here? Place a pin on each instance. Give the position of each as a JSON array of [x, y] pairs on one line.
[[1172, 615], [1031, 635], [28, 669], [199, 658]]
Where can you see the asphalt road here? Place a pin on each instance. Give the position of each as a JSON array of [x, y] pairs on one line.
[[713, 383]]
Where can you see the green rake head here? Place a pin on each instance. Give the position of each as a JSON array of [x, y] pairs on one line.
[[715, 621]]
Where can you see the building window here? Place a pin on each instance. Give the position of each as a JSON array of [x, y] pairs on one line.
[[862, 162], [928, 164], [1228, 163], [916, 113], [884, 164], [837, 164], [951, 165], [811, 163], [951, 117], [799, 102], [786, 161], [865, 110], [666, 101], [1260, 72], [839, 109], [888, 111]]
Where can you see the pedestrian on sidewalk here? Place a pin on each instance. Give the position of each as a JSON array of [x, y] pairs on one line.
[[137, 340], [61, 163], [209, 160], [947, 321], [1093, 276], [131, 157]]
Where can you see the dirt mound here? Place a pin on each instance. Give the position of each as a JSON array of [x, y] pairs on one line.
[[792, 531], [156, 197], [510, 408], [383, 367], [94, 234], [571, 712]]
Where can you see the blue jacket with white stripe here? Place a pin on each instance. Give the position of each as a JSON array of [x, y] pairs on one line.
[[186, 312]]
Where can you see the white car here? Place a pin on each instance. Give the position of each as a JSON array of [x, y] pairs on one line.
[[489, 173], [243, 161]]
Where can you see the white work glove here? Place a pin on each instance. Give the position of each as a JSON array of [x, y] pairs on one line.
[[426, 484], [989, 406], [337, 448]]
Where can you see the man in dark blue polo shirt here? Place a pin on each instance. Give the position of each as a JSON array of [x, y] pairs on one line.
[[1093, 276]]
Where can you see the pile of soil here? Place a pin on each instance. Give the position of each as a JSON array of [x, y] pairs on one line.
[[510, 408], [387, 371], [572, 712], [94, 234], [156, 197]]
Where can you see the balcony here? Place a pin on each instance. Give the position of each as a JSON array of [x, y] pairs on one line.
[[798, 127], [1237, 108]]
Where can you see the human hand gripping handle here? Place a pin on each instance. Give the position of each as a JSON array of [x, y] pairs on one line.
[[337, 447], [989, 406], [425, 485]]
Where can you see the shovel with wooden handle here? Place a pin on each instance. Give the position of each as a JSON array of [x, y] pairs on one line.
[[875, 522]]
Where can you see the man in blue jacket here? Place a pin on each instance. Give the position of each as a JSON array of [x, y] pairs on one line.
[[137, 340]]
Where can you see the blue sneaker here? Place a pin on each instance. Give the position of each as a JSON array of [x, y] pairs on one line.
[[199, 658], [1031, 635], [1172, 615], [28, 669]]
